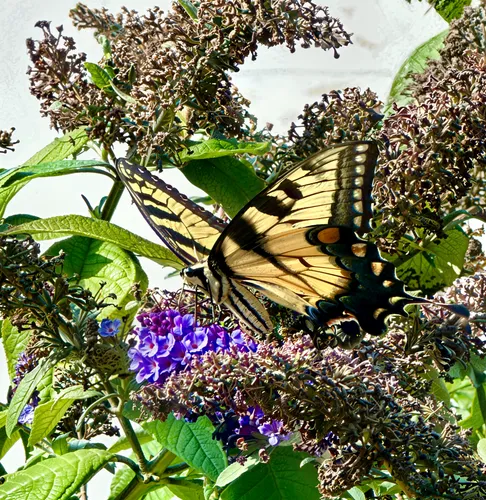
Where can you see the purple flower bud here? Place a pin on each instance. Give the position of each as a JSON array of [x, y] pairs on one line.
[[109, 328], [27, 415]]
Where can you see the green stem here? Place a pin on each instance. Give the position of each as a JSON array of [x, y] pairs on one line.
[[112, 200], [137, 489], [134, 442], [117, 408], [90, 408], [133, 465], [176, 469]]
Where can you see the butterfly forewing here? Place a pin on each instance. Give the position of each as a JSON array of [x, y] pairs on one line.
[[185, 227]]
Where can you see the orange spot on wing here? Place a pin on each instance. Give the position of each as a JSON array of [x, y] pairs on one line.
[[329, 235], [359, 249], [377, 267]]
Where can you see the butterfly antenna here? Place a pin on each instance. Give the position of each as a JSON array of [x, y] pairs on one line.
[[195, 305], [212, 305]]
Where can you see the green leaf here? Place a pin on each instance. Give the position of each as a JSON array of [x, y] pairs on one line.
[[226, 180], [120, 481], [16, 220], [67, 225], [184, 490], [282, 478], [13, 180], [477, 417], [55, 478], [6, 442], [14, 343], [123, 95], [438, 387], [61, 147], [481, 449], [451, 9], [24, 392], [355, 494], [216, 148], [47, 415], [94, 261], [105, 45], [436, 264], [189, 8], [416, 63], [99, 77], [60, 445], [235, 470], [192, 442]]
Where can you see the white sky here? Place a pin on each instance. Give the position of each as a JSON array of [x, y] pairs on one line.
[[278, 85]]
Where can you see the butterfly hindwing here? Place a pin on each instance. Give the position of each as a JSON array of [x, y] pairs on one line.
[[295, 242], [185, 227]]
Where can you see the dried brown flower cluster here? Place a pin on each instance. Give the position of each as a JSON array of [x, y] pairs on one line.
[[59, 81], [338, 117], [465, 34], [355, 410], [6, 142], [433, 153], [471, 292], [36, 296], [167, 75]]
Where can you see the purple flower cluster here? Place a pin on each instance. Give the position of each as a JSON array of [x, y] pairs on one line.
[[254, 422], [168, 340], [25, 364]]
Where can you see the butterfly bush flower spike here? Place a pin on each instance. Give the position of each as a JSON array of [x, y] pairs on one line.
[[168, 340]]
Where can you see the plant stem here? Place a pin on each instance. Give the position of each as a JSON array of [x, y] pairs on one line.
[[112, 200], [134, 442], [136, 489]]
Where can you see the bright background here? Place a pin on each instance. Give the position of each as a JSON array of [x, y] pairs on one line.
[[278, 85]]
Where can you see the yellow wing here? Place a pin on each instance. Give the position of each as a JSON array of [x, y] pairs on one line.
[[185, 227], [296, 242]]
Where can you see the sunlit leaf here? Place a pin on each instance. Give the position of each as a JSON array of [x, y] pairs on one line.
[[226, 180], [55, 478], [69, 225]]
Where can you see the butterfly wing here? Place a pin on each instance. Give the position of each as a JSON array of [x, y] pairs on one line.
[[187, 229], [296, 242]]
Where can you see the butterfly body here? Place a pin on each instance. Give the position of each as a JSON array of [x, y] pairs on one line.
[[296, 242]]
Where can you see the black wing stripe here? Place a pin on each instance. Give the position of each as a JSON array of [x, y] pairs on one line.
[[186, 228]]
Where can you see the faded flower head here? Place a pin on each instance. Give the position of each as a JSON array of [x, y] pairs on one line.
[[432, 156], [434, 151], [166, 76], [6, 141], [365, 408], [338, 117]]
